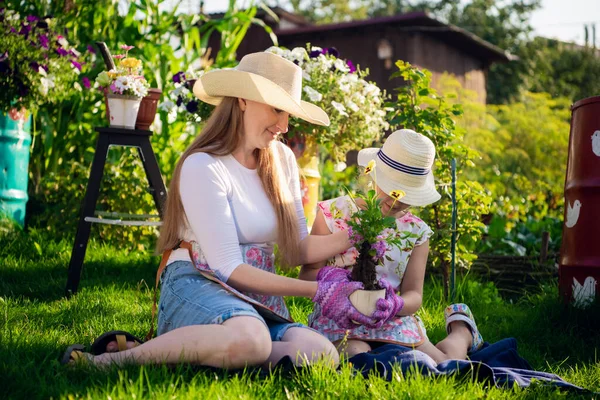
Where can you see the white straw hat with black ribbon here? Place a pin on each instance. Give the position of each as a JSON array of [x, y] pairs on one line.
[[404, 163], [265, 78]]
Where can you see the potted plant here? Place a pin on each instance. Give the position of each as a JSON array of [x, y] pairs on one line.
[[37, 66], [124, 87], [372, 234]]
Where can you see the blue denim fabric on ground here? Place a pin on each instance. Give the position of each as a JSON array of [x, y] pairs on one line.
[[497, 363]]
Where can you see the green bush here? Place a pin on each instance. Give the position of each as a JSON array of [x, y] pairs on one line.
[[421, 108]]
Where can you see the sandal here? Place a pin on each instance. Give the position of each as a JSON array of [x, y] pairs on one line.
[[121, 337], [461, 312], [75, 355]]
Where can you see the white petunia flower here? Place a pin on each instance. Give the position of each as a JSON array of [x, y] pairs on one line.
[[371, 89], [63, 42], [313, 95], [340, 108], [167, 106], [339, 167], [46, 84], [180, 90], [275, 50], [299, 54], [352, 105], [340, 65], [358, 98]]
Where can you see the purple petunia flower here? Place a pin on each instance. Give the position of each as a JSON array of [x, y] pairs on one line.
[[32, 18], [34, 66], [315, 53], [380, 248], [192, 106], [179, 101], [25, 29], [76, 65], [351, 66], [86, 82], [179, 77], [44, 41], [354, 237], [91, 49], [62, 51], [332, 51]]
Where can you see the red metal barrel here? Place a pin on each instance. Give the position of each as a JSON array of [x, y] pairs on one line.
[[579, 264]]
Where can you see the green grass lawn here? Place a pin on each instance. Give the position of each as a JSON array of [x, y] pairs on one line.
[[37, 323]]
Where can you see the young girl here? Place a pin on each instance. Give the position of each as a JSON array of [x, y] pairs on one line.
[[403, 163]]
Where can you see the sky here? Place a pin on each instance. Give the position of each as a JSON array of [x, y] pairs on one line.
[[560, 19]]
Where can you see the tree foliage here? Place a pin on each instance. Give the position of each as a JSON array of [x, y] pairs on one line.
[[522, 164], [330, 11], [564, 69]]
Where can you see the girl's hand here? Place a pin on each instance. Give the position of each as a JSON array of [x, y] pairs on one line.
[[389, 307], [334, 288]]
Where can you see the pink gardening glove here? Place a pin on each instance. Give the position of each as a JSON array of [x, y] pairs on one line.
[[390, 306], [334, 274]]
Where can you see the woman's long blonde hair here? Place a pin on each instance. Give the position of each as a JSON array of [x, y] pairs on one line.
[[222, 134]]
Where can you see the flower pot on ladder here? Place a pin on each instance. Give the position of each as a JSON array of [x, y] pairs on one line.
[[123, 110]]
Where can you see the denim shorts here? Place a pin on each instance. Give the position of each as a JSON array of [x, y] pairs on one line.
[[187, 298]]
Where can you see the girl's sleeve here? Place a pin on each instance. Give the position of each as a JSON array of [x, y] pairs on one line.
[[204, 186], [325, 207], [425, 233]]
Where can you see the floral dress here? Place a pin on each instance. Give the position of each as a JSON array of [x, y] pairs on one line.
[[406, 330]]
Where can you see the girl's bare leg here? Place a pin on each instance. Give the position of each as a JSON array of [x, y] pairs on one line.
[[304, 347], [453, 347], [352, 347]]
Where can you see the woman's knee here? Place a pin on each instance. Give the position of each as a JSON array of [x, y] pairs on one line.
[[251, 343]]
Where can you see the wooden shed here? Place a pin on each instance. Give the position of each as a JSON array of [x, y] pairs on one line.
[[378, 42]]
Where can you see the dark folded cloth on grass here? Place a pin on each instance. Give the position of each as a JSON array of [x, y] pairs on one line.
[[498, 364]]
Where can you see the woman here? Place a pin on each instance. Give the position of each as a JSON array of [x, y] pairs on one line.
[[403, 163], [234, 194]]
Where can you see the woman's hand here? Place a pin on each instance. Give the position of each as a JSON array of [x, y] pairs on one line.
[[332, 296]]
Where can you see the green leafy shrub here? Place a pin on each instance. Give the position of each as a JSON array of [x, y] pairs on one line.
[[421, 108]]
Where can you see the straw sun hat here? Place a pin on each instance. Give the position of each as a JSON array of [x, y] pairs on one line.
[[265, 78], [404, 163]]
